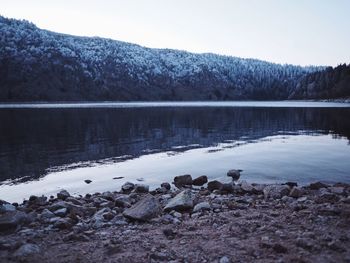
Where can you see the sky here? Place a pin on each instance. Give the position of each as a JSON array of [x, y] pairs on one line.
[[302, 32]]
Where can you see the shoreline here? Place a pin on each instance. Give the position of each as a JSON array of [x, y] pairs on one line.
[[189, 222]]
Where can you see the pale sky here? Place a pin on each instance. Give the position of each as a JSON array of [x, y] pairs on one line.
[[304, 32]]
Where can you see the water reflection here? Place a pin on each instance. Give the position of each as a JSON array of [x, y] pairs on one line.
[[33, 141]]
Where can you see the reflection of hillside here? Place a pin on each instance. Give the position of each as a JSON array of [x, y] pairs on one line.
[[37, 139]]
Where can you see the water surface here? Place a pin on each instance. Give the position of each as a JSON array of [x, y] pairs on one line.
[[47, 147]]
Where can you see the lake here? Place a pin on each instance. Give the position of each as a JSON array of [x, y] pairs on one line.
[[48, 147]]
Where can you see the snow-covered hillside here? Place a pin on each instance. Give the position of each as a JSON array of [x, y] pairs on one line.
[[37, 64]]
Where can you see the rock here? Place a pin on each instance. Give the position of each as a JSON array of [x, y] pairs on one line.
[[337, 190], [118, 177], [224, 259], [317, 186], [165, 185], [291, 184], [74, 201], [327, 197], [235, 174], [169, 233], [61, 212], [99, 220], [226, 188], [7, 208], [58, 205], [182, 201], [63, 195], [27, 250], [88, 181], [279, 248], [62, 223], [304, 243], [296, 192], [247, 187], [182, 180], [123, 201], [276, 191], [12, 219], [37, 200], [46, 214], [141, 188], [201, 207], [201, 180], [144, 210], [214, 185], [128, 187]]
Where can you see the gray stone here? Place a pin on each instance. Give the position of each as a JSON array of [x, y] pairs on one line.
[[224, 259], [337, 190], [276, 191], [201, 206], [12, 219], [88, 181], [317, 186], [141, 188], [46, 215], [58, 205], [166, 185], [182, 201], [37, 200], [234, 173], [63, 194], [128, 187], [182, 180], [61, 212], [214, 185], [201, 180], [122, 201], [62, 223], [7, 208], [296, 192], [27, 250], [247, 187], [144, 210]]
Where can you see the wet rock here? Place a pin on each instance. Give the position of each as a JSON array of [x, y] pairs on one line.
[[88, 181], [144, 210], [63, 195], [201, 180], [12, 219], [183, 180], [118, 177], [98, 220], [317, 186], [27, 250], [57, 205], [128, 187], [296, 192], [141, 188], [234, 174], [181, 202], [291, 184], [276, 191], [74, 201], [169, 233], [7, 208], [214, 185], [201, 207], [37, 200], [61, 212], [167, 186]]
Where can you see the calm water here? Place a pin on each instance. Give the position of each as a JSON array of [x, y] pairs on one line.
[[47, 147]]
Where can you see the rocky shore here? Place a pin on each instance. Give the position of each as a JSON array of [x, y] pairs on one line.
[[192, 221]]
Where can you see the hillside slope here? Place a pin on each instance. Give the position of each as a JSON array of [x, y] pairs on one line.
[[39, 65]]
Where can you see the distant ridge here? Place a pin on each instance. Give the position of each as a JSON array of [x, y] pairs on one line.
[[40, 65]]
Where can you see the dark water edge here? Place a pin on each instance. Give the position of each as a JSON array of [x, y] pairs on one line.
[[38, 141]]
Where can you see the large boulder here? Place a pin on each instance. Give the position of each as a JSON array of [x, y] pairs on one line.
[[182, 180], [12, 219], [144, 210], [63, 195], [276, 191], [234, 174], [201, 180], [181, 202], [128, 187], [214, 185]]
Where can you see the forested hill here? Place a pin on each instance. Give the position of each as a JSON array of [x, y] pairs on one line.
[[39, 65]]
